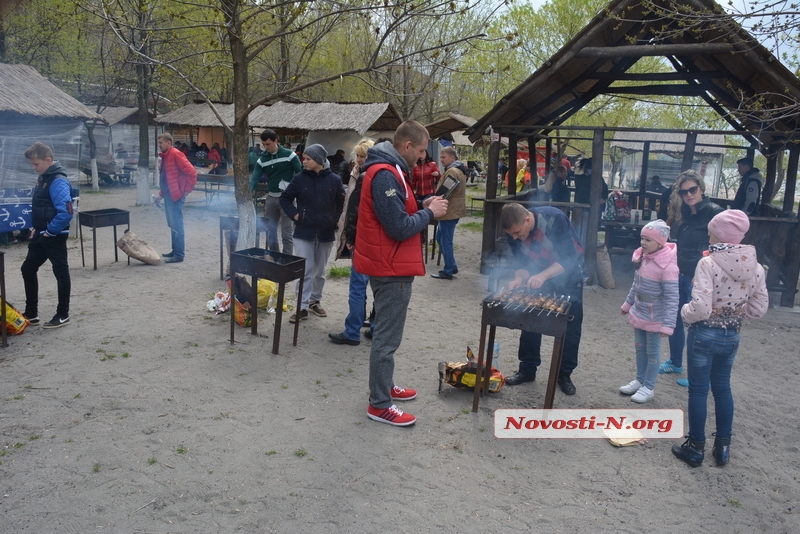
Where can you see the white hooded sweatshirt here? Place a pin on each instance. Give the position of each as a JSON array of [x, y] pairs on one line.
[[728, 285]]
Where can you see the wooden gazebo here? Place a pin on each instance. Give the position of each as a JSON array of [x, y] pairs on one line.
[[717, 61]]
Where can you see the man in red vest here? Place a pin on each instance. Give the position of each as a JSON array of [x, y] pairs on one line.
[[388, 251]]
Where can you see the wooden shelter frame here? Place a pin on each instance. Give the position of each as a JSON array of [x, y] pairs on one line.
[[719, 62]]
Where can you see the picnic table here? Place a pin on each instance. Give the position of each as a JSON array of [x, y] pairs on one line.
[[215, 185]]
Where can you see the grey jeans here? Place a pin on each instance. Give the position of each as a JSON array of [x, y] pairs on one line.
[[391, 306], [275, 215], [316, 255]]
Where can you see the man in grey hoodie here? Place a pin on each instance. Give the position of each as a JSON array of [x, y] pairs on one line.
[[388, 251]]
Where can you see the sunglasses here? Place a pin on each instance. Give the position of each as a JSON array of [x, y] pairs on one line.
[[687, 192]]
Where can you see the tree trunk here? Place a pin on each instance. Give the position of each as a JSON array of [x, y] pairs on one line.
[[95, 179], [241, 178], [93, 156], [142, 90]]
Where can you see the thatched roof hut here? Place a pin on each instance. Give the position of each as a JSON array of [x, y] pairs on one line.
[[198, 115], [454, 122], [452, 129], [326, 116], [331, 124], [33, 109], [114, 115], [26, 93], [287, 117]]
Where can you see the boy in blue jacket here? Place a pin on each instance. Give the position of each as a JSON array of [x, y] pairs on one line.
[[51, 215]]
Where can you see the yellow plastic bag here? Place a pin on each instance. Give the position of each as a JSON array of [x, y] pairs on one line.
[[16, 323], [268, 295]]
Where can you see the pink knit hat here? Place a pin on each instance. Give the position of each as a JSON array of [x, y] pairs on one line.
[[730, 226], [656, 230]]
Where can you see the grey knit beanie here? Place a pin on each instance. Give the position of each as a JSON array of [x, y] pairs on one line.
[[317, 153]]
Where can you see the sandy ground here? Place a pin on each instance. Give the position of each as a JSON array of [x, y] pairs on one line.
[[141, 417]]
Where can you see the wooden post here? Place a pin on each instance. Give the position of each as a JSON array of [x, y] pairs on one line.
[[792, 262], [492, 169], [791, 179], [548, 149], [688, 151], [534, 167], [751, 152], [512, 163], [772, 174], [593, 219], [489, 214], [643, 180]]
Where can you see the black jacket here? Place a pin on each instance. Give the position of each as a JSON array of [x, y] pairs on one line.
[[51, 203], [692, 235], [320, 200], [351, 218]]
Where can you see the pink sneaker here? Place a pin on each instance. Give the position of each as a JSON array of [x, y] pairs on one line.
[[391, 415], [400, 394]]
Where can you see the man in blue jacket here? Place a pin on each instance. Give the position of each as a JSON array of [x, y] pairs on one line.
[[51, 215]]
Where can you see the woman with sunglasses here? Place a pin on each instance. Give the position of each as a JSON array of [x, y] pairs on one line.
[[688, 215]]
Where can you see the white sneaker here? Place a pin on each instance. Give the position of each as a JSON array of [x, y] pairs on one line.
[[643, 395], [631, 388]]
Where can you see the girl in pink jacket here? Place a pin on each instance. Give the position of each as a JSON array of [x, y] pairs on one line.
[[728, 286], [651, 306]]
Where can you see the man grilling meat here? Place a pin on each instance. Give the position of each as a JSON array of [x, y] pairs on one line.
[[549, 259]]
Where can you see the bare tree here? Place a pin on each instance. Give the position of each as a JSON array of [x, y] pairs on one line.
[[233, 35]]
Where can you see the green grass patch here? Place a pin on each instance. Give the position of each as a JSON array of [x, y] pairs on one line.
[[300, 453], [152, 460], [472, 226], [339, 272]]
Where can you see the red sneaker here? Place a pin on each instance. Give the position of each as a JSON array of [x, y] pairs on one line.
[[400, 394], [391, 415]]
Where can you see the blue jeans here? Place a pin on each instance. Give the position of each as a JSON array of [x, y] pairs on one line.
[[677, 341], [710, 356], [174, 212], [444, 235], [648, 356], [530, 344], [357, 300]]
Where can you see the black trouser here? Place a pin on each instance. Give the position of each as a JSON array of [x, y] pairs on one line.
[[41, 249], [530, 344]]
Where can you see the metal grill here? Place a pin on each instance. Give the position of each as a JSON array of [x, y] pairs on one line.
[[522, 310]]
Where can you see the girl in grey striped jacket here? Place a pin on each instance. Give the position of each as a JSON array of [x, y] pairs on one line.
[[651, 306]]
